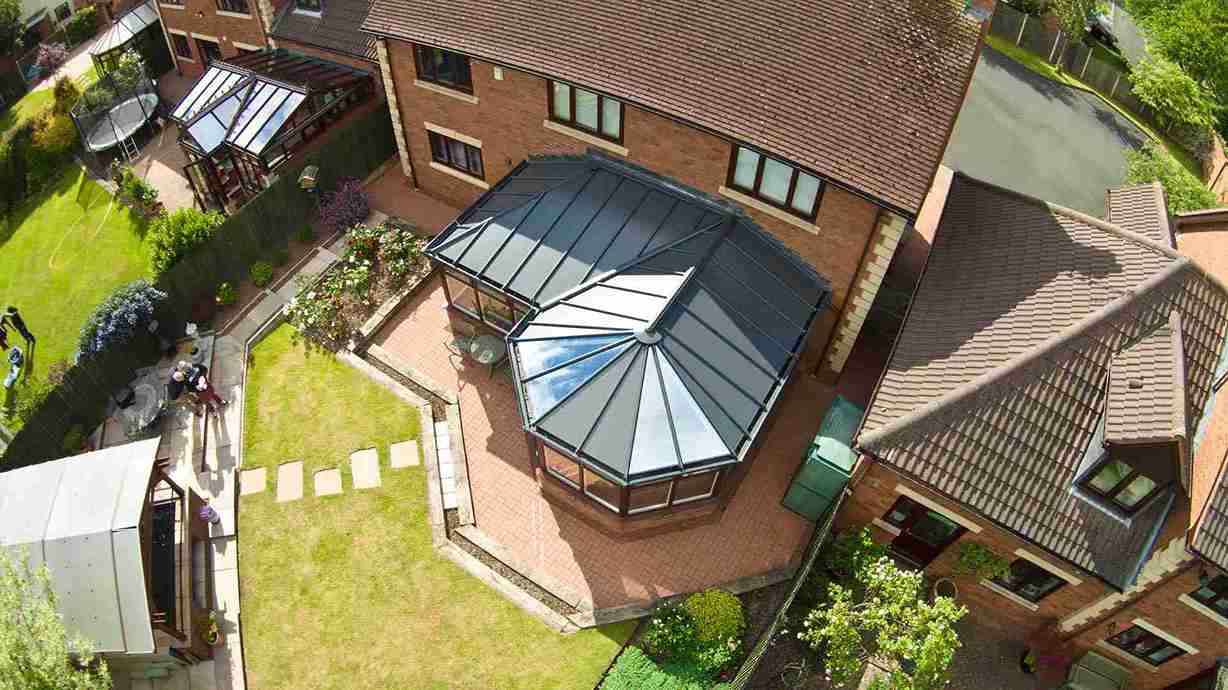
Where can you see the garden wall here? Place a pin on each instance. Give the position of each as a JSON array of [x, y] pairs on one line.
[[265, 224]]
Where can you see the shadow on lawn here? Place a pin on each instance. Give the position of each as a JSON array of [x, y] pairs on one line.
[[86, 193]]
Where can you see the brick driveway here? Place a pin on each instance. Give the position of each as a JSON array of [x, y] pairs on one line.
[[754, 535]]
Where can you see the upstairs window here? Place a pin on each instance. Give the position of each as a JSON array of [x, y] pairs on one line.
[[182, 48], [236, 6], [1030, 581], [1213, 595], [1120, 484], [1143, 644], [775, 182], [585, 110], [313, 6], [444, 68]]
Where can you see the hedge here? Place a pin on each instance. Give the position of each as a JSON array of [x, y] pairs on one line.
[[264, 224]]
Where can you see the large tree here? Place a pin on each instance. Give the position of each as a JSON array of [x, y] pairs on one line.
[[36, 651], [1193, 34], [11, 27]]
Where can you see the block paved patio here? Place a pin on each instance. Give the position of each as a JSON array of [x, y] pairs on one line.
[[753, 536]]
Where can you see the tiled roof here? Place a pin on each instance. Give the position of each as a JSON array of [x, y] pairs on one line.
[[1140, 209], [1147, 390], [999, 376], [339, 30], [864, 93]]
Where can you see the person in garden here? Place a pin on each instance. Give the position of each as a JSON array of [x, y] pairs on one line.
[[199, 382], [13, 317], [177, 386]]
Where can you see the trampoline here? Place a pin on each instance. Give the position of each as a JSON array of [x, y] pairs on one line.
[[122, 122]]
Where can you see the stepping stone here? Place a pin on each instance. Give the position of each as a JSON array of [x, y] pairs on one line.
[[404, 454], [328, 482], [290, 481], [364, 467], [251, 481]]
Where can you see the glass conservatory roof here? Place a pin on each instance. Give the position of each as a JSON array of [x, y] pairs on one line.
[[664, 324], [216, 82], [125, 28]]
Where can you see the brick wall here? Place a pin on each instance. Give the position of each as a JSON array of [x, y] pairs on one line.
[[508, 121], [225, 29], [1215, 169], [875, 492]]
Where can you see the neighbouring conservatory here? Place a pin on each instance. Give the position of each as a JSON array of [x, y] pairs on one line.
[[246, 116], [650, 329]]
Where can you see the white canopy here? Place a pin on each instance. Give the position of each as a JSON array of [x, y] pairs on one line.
[[81, 516]]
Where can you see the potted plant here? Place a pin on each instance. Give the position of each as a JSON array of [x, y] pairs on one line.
[[209, 630]]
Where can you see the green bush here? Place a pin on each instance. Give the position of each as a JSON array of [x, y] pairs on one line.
[[1176, 97], [633, 670], [670, 633], [305, 234], [279, 256], [174, 236], [850, 553], [81, 25], [717, 615], [226, 295], [66, 94], [1154, 163], [261, 273]]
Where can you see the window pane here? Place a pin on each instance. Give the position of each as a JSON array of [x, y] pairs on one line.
[[601, 489], [744, 172], [561, 466], [775, 184], [456, 153], [805, 193], [439, 149], [1163, 654], [1039, 586], [611, 117], [475, 160], [496, 311], [462, 294], [648, 497], [1135, 491], [1110, 476], [562, 101], [586, 109], [900, 511], [694, 487]]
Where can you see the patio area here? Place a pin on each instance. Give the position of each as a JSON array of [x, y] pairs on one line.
[[753, 534]]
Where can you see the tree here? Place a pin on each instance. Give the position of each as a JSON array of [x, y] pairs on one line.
[[35, 649], [1176, 97], [1185, 192], [890, 621], [1193, 34], [1074, 15], [12, 28]]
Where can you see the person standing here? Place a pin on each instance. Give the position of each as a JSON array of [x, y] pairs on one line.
[[13, 317], [175, 389], [199, 382]]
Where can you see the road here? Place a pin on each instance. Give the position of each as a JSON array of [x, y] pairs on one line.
[[1024, 132]]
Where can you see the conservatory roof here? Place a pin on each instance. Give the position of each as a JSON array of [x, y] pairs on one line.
[[664, 323], [217, 80], [125, 28], [81, 517]]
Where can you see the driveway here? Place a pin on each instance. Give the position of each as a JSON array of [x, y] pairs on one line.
[[1024, 132]]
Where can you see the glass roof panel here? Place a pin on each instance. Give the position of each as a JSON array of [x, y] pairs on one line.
[[578, 420], [566, 315], [545, 392], [275, 122], [537, 356], [260, 94], [213, 85], [546, 331], [272, 99], [697, 438], [663, 284], [654, 441], [208, 133], [633, 304]]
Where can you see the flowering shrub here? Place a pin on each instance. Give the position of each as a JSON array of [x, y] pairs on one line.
[[318, 310], [50, 57], [355, 275], [364, 240], [703, 633], [670, 633], [174, 236], [119, 317], [346, 206], [400, 252]]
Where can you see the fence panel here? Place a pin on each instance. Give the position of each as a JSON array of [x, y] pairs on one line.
[[1006, 22], [1039, 39], [1101, 75]]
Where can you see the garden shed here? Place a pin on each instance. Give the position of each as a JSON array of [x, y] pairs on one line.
[[138, 29], [246, 116]]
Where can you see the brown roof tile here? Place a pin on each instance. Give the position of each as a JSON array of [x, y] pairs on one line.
[[864, 93], [339, 30], [994, 391], [1146, 401]]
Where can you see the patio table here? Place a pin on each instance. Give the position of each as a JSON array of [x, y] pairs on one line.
[[489, 350], [150, 400]]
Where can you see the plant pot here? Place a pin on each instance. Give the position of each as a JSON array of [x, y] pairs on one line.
[[945, 587]]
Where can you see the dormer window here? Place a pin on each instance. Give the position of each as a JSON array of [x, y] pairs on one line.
[[1122, 485], [312, 6]]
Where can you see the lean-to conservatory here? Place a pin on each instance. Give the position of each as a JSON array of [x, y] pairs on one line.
[[139, 30], [650, 329], [246, 116]]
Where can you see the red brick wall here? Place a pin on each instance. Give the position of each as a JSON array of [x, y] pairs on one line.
[[508, 121], [873, 496], [225, 29]]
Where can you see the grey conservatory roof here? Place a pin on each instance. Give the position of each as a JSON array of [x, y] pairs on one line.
[[125, 28], [663, 324], [80, 516]]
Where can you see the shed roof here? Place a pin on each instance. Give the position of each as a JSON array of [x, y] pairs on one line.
[[864, 93], [664, 323], [80, 516], [996, 403], [125, 28]]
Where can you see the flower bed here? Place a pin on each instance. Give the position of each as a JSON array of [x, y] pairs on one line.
[[379, 263]]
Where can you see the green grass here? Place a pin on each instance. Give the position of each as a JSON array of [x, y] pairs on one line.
[[346, 591], [61, 254], [35, 102], [1044, 69]]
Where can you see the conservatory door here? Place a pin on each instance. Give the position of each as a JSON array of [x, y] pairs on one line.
[[203, 187]]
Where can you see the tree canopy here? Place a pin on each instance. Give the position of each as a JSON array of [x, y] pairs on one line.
[[11, 27], [36, 651], [1194, 35]]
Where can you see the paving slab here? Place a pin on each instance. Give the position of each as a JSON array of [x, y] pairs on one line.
[[364, 467], [225, 553], [328, 482], [290, 481], [252, 481], [404, 454]]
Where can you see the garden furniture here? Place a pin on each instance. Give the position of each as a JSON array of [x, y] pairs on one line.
[[488, 350]]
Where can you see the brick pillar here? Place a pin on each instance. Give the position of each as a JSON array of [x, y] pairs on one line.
[[887, 233], [398, 128]]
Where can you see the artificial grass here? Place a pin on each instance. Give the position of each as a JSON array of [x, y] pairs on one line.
[[1044, 69], [61, 254], [346, 591]]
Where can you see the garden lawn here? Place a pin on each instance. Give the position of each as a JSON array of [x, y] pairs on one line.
[[61, 254], [346, 591]]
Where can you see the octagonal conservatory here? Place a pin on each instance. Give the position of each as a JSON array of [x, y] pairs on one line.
[[650, 328]]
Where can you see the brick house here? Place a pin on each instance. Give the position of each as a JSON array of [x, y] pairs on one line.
[[1051, 396]]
